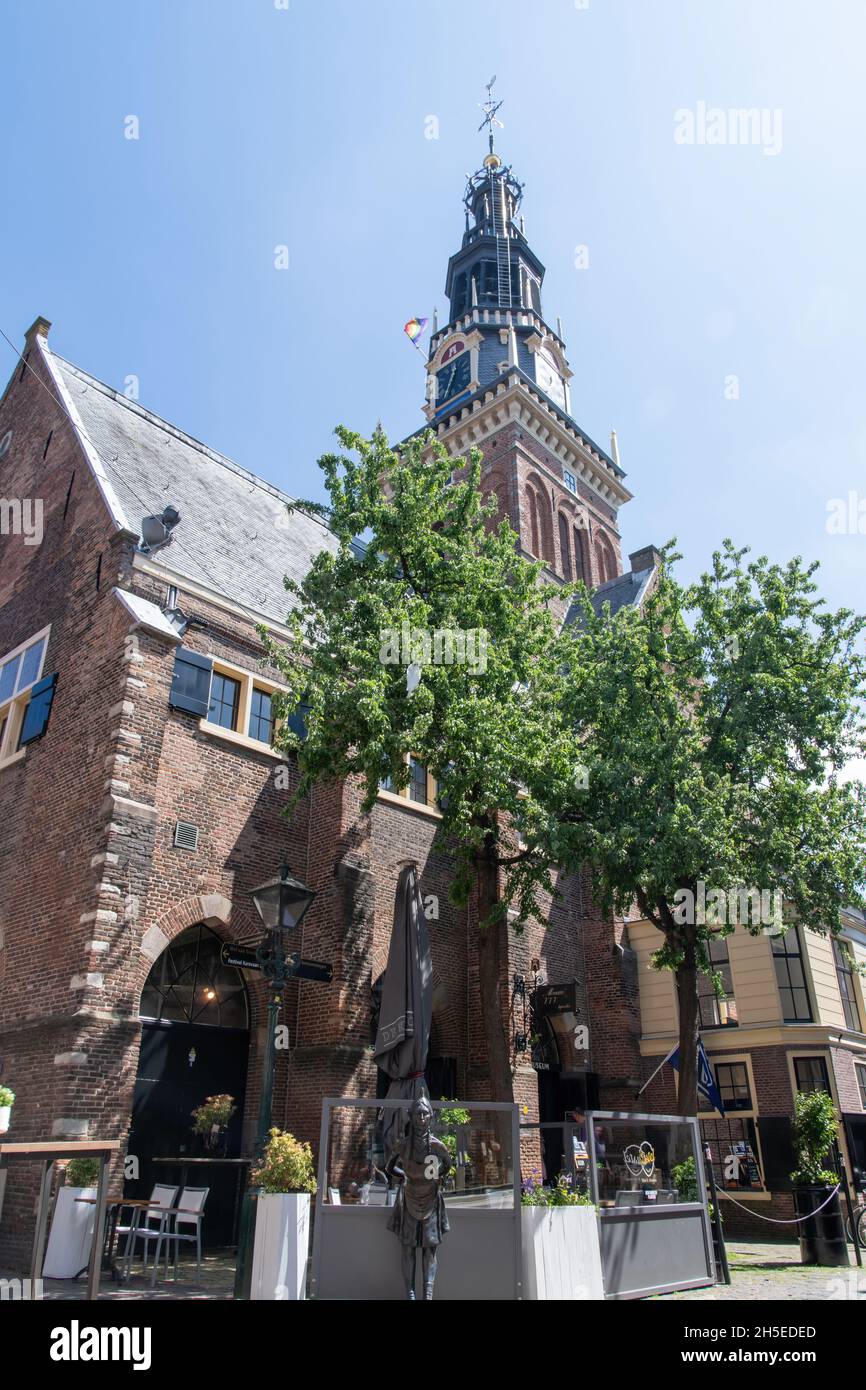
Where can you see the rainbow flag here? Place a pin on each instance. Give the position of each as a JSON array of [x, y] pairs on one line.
[[414, 328]]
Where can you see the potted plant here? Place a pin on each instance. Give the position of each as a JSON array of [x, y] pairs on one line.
[[284, 1178], [7, 1100], [210, 1120], [71, 1233], [822, 1231], [560, 1245]]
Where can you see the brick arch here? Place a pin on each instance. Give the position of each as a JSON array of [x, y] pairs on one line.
[[604, 559], [496, 484], [583, 567], [566, 516], [540, 519], [213, 910]]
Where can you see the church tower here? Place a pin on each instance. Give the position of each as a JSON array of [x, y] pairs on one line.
[[498, 378]]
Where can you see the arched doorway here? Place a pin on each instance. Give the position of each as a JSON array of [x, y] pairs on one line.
[[194, 1043]]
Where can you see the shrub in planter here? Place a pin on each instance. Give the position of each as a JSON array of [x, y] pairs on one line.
[[560, 1245], [7, 1100], [285, 1178], [82, 1172], [822, 1232], [69, 1239]]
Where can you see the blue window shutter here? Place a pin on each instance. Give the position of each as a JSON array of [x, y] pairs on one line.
[[37, 712], [190, 682]]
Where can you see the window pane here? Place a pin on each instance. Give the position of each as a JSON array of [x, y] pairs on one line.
[[224, 701], [811, 1074], [733, 1081], [261, 716], [31, 660], [8, 673], [417, 781]]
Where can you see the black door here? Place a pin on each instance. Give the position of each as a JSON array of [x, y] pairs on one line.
[[194, 1044], [181, 1064]]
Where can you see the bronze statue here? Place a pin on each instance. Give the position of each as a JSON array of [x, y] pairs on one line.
[[421, 1163]]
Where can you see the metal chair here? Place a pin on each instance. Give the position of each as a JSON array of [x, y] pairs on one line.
[[188, 1212], [161, 1197]]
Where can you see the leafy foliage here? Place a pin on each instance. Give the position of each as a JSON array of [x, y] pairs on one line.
[[7, 1097], [433, 561], [82, 1172], [562, 1193], [814, 1133], [287, 1165], [713, 725], [214, 1111]]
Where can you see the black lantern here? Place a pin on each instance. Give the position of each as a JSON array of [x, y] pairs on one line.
[[282, 901]]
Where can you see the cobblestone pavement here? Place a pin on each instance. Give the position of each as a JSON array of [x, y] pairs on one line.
[[760, 1272], [217, 1282], [763, 1271]]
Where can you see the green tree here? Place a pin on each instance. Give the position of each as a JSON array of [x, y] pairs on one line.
[[486, 727], [712, 726]]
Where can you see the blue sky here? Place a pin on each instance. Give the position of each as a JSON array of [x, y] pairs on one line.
[[261, 126]]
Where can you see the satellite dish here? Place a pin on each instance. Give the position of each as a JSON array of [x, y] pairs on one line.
[[156, 530]]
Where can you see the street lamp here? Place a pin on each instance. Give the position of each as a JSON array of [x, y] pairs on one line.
[[281, 903]]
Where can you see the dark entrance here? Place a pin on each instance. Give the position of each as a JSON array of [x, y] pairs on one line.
[[195, 1043], [558, 1095]]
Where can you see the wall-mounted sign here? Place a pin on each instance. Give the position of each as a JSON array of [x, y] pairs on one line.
[[560, 1038]]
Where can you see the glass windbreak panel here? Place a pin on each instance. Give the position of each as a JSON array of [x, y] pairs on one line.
[[644, 1162], [473, 1146]]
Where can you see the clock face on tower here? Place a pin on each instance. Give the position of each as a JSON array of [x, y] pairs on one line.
[[452, 378], [548, 377]]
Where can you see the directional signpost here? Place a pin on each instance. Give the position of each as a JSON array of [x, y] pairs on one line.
[[247, 958]]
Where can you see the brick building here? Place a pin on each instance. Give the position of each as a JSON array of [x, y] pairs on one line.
[[141, 800]]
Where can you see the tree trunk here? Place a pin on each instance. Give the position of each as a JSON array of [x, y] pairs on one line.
[[687, 995], [490, 967]]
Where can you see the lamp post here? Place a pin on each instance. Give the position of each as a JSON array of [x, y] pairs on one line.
[[281, 903]]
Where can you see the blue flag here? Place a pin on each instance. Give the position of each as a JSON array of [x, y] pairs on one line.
[[706, 1081]]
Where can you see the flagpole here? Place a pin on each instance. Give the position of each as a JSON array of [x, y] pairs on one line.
[[657, 1070]]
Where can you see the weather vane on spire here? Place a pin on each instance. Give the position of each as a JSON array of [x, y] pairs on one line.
[[490, 108]]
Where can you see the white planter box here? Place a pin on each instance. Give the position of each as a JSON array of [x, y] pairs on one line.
[[70, 1235], [280, 1249], [5, 1117], [561, 1255]]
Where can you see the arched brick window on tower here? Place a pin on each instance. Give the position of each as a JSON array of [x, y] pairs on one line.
[[581, 557], [564, 547], [540, 521], [534, 522], [604, 560], [495, 485]]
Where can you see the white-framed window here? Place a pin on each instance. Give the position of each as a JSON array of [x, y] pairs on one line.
[[570, 480], [733, 1139], [20, 670], [422, 788], [241, 705], [860, 1073]]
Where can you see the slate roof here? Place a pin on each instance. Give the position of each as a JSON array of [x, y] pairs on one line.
[[234, 535], [627, 589]]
